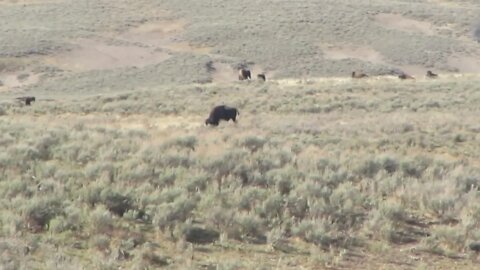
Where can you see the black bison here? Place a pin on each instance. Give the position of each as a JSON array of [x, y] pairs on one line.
[[431, 74], [405, 77], [221, 112], [244, 74], [27, 100], [261, 77], [358, 75]]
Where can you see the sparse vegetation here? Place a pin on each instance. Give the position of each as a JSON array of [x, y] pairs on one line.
[[112, 166], [333, 180]]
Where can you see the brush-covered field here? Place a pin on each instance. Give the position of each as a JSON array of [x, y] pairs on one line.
[[315, 174], [112, 167]]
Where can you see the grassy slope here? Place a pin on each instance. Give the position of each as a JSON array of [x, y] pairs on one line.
[[370, 169], [283, 38], [285, 35], [374, 173]]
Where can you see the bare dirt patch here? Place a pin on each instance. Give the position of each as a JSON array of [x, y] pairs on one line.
[[162, 34], [96, 55], [13, 80], [401, 23], [449, 3], [465, 64], [223, 73], [349, 51], [156, 34], [147, 44], [28, 2]]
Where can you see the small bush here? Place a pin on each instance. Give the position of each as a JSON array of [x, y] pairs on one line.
[[297, 206], [246, 227], [313, 231], [169, 214], [39, 213], [101, 242], [197, 183], [273, 206], [101, 220], [165, 179], [253, 143], [189, 142]]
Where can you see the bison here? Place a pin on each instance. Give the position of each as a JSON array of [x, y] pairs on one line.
[[261, 77], [221, 112], [431, 74], [358, 75], [244, 74], [405, 76], [27, 100]]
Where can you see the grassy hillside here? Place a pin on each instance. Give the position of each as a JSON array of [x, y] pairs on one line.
[[315, 174], [84, 47], [112, 166]]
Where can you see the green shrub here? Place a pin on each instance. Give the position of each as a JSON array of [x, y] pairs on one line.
[[188, 142], [101, 220], [252, 143], [39, 212], [273, 207], [167, 215]]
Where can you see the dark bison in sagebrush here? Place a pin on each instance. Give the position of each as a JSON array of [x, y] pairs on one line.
[[356, 75], [28, 100], [430, 74], [221, 112]]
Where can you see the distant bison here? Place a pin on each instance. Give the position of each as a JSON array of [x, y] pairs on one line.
[[358, 75], [244, 74], [27, 100], [261, 77], [405, 77], [221, 112], [431, 74]]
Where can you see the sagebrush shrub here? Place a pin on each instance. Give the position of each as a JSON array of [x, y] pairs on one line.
[[39, 212]]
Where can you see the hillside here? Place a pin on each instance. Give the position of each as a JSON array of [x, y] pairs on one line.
[[112, 166]]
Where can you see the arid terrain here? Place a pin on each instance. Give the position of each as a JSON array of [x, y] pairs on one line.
[[112, 166]]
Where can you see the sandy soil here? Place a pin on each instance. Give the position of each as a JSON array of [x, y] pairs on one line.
[[401, 23], [27, 2], [465, 64], [96, 55], [14, 80], [148, 44], [350, 51]]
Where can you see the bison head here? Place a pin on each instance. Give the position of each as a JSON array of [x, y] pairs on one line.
[[210, 121]]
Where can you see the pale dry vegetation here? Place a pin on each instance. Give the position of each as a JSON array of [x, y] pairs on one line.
[[113, 168], [314, 174]]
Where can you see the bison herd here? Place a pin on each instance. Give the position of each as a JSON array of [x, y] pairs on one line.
[[245, 74], [227, 113], [402, 76]]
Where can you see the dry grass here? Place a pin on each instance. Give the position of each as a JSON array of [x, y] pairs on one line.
[[312, 176], [112, 166]]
